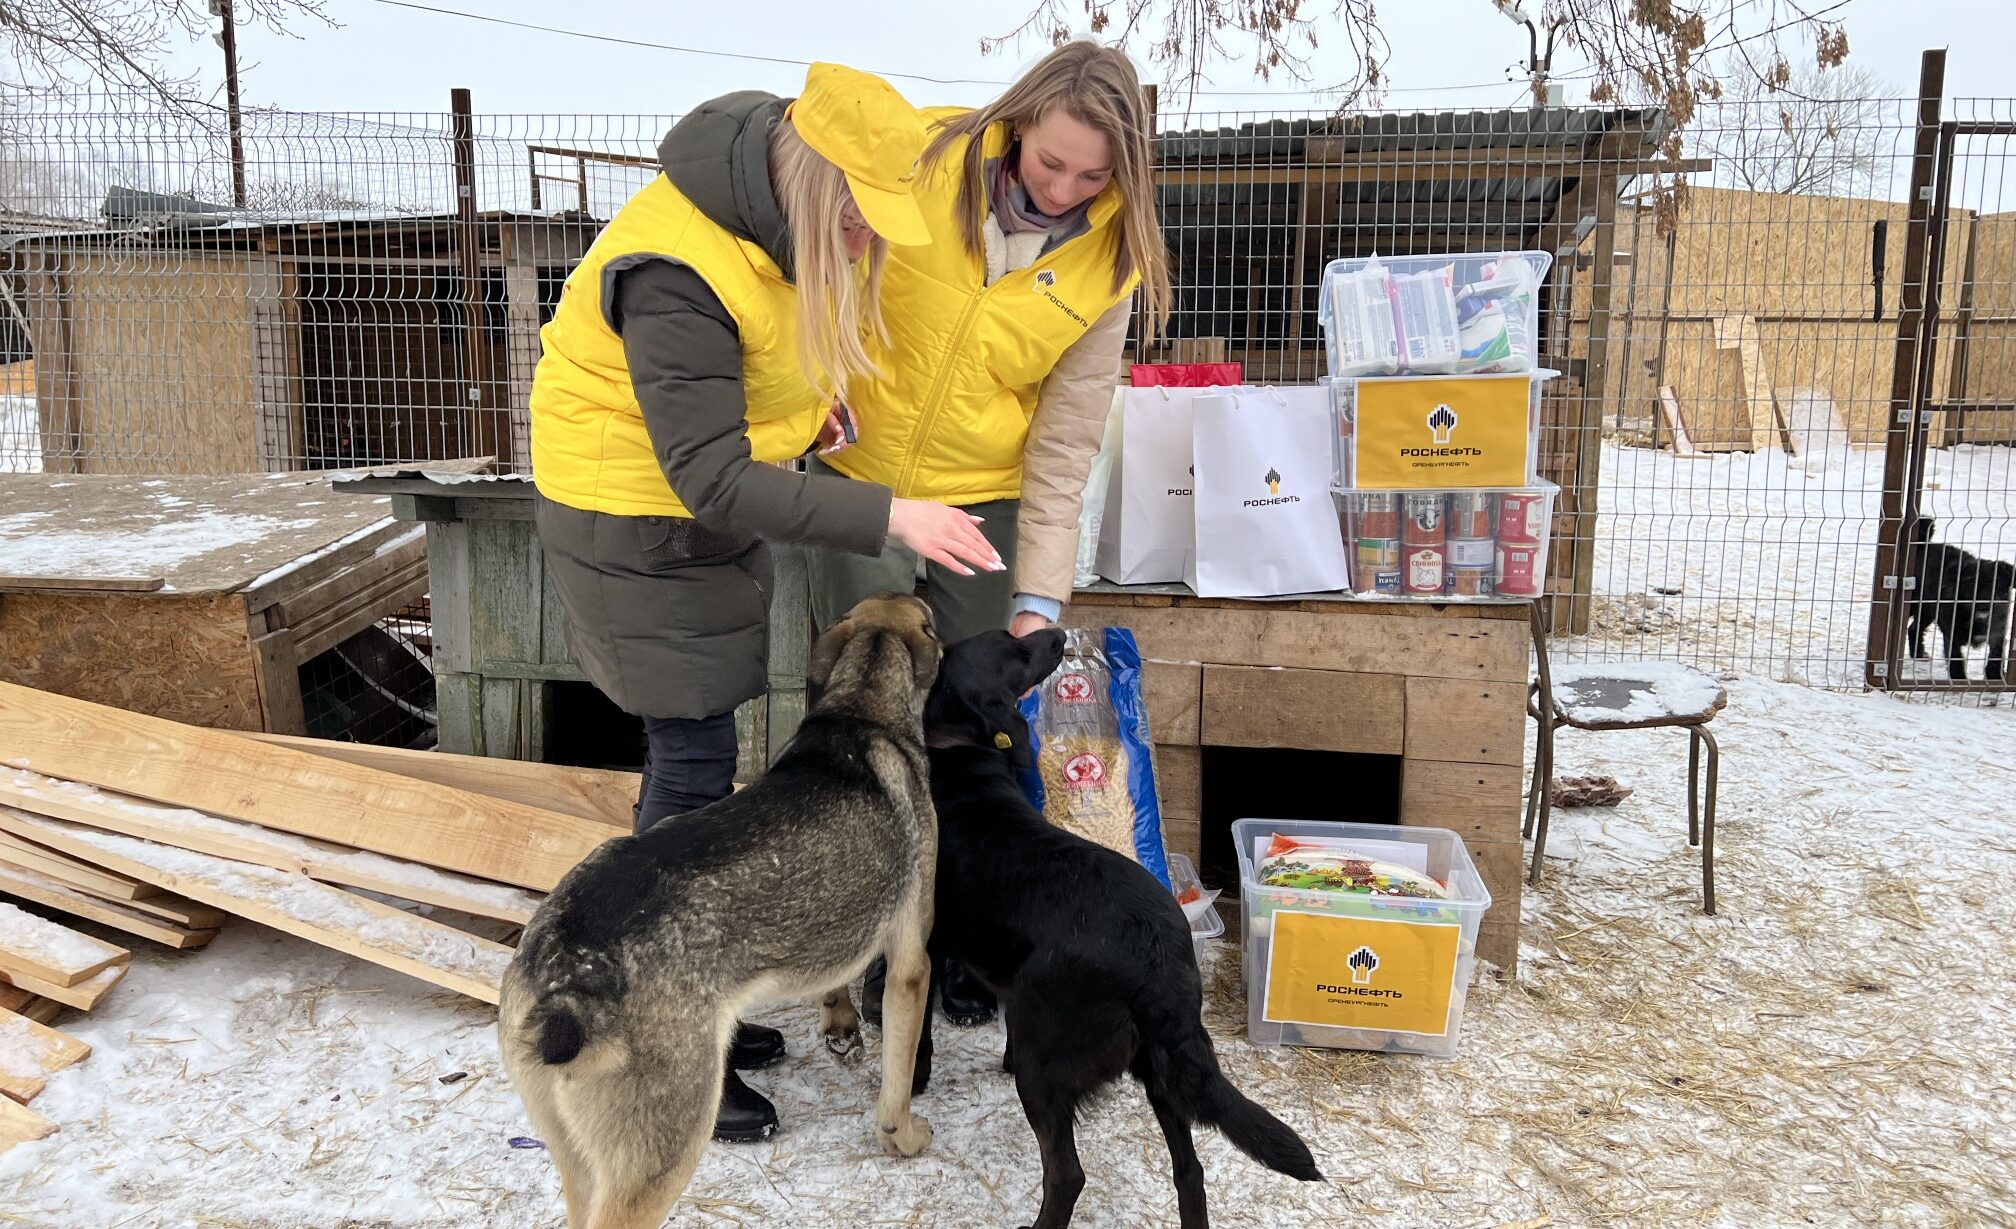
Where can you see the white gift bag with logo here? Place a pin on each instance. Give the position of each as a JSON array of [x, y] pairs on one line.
[[1266, 524], [1146, 531]]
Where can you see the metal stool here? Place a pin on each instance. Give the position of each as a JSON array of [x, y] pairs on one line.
[[1626, 697]]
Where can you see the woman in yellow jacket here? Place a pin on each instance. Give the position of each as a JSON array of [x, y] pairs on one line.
[[708, 331], [1005, 335]]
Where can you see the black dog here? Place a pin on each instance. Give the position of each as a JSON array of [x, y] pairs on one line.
[[1964, 596], [1088, 953]]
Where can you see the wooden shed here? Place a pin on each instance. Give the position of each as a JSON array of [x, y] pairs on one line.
[[180, 339]]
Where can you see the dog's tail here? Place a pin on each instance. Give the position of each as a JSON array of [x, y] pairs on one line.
[[569, 1005], [1186, 1069]]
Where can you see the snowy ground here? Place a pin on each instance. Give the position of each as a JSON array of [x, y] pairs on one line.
[[1833, 1049], [1766, 561]]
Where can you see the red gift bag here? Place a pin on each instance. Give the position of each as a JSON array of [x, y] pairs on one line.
[[1185, 375]]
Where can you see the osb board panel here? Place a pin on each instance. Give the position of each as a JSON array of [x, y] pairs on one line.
[[1466, 722], [1763, 254], [199, 534], [1851, 362], [1994, 266], [185, 658], [1352, 638], [162, 351], [1991, 378], [1309, 710]]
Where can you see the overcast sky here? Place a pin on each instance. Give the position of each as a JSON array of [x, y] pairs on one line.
[[383, 57]]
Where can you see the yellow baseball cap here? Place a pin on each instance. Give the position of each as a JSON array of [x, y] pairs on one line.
[[860, 124]]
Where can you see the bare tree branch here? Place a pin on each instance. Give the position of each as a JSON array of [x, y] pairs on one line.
[[1821, 134]]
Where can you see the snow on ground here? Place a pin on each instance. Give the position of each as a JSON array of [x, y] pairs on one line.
[[20, 436], [1833, 1049], [1768, 561]]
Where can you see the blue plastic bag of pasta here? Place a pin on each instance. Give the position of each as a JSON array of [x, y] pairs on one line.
[[1088, 725]]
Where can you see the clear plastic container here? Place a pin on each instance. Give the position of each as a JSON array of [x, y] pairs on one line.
[[1206, 924], [1474, 398], [1437, 314], [1423, 941], [1448, 546]]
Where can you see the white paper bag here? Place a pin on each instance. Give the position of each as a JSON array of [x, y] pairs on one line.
[[1092, 506], [1146, 531], [1266, 524]]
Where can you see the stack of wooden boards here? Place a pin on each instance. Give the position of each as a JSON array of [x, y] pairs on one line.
[[163, 831]]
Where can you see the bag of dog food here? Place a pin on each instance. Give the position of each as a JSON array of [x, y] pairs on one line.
[[1088, 732]]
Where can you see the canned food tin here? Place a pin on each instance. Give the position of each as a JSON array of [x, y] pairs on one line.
[[1471, 581], [1423, 570], [1518, 569], [1470, 514], [1377, 514], [1467, 552], [1422, 521], [1522, 517]]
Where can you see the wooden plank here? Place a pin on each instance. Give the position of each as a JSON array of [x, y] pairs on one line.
[[291, 902], [19, 1124], [1173, 693], [1179, 782], [80, 584], [22, 1003], [1676, 422], [30, 1052], [1310, 710], [1470, 722], [52, 894], [601, 794], [243, 842], [1348, 639], [83, 996], [238, 778], [1739, 333], [1478, 801], [27, 854], [1184, 836], [49, 951], [187, 914]]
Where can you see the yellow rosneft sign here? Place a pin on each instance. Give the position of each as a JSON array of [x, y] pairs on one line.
[[1426, 434], [1356, 972]]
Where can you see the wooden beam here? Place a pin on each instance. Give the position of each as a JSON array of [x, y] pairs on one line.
[[243, 842], [291, 902], [1390, 169], [310, 795], [1311, 710], [28, 855], [83, 996], [90, 585], [30, 1052], [599, 794], [19, 1124], [49, 951], [53, 894]]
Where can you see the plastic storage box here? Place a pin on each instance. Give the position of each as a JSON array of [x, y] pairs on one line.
[[1433, 314], [1448, 546], [1436, 431], [1206, 925], [1353, 970]]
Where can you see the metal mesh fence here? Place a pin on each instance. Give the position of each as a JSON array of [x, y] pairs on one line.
[[1724, 427]]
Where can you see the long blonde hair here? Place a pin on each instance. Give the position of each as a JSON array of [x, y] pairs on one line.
[[1097, 87], [837, 304]]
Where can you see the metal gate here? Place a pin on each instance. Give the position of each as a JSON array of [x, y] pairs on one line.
[[1943, 574]]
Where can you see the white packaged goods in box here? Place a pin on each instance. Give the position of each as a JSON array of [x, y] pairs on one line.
[[1433, 314], [1437, 431], [1346, 944], [1442, 546]]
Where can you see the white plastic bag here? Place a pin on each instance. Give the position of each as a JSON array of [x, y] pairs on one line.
[[1092, 508], [1265, 521]]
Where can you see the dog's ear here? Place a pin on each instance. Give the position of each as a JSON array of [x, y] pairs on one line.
[[826, 652], [1033, 659], [926, 651]]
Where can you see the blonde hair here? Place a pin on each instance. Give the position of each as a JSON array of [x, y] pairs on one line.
[[837, 304], [1097, 87]]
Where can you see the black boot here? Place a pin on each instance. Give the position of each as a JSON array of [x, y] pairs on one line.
[[966, 1001], [871, 991], [755, 1046], [745, 1115]]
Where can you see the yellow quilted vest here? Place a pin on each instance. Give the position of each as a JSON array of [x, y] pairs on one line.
[[589, 446], [947, 416]]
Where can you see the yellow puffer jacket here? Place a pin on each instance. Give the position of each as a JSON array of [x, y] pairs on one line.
[[590, 449], [947, 417]]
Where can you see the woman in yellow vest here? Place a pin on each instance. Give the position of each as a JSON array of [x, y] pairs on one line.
[[709, 330], [1005, 334]]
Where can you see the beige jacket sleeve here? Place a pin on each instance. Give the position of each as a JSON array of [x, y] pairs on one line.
[[1064, 436]]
